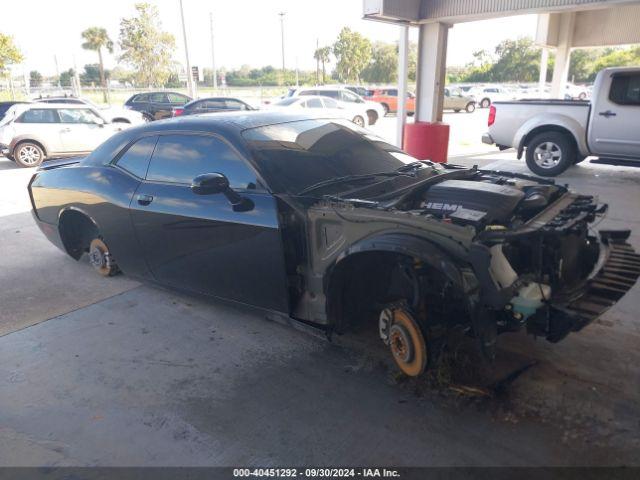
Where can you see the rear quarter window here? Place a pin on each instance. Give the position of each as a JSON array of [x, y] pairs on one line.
[[135, 159], [39, 115]]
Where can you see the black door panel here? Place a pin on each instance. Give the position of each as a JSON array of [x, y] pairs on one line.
[[199, 243]]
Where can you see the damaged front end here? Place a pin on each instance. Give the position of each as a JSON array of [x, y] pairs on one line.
[[553, 274]]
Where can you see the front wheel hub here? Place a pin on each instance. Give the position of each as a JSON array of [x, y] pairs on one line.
[[400, 331]]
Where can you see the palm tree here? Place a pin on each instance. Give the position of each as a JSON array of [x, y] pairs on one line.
[[322, 55], [96, 38]]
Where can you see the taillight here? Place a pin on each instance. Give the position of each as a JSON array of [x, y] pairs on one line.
[[492, 115], [178, 111]]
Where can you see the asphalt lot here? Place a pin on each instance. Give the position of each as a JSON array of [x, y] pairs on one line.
[[100, 371]]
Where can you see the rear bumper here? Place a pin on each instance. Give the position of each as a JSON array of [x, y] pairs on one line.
[[486, 138], [615, 273], [50, 231]]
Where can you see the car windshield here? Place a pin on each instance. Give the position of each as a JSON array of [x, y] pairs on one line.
[[297, 155]]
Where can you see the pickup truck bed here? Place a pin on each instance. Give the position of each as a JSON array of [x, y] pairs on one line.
[[559, 133]]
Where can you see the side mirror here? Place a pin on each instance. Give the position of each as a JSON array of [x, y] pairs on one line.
[[210, 184], [100, 121]]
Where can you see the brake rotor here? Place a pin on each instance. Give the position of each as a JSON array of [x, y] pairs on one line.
[[100, 258], [407, 344]]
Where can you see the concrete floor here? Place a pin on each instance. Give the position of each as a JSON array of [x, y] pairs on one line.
[[110, 372]]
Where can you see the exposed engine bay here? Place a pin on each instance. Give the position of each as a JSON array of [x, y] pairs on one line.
[[511, 251]]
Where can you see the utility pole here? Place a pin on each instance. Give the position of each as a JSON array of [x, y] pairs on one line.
[[282, 14], [213, 55], [55, 59], [192, 90]]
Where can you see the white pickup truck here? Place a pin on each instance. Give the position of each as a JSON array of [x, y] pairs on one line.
[[559, 133]]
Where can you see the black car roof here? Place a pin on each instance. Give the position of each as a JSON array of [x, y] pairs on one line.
[[229, 125], [224, 121]]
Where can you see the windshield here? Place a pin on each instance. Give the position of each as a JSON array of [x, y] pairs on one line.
[[297, 155]]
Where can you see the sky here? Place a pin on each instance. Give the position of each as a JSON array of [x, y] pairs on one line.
[[246, 31]]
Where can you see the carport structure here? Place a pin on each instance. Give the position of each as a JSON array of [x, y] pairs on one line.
[[562, 24]]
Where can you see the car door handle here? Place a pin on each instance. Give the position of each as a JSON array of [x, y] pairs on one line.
[[65, 130], [607, 114], [145, 199]]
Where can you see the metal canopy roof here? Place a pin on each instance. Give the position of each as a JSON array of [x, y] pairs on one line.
[[414, 12]]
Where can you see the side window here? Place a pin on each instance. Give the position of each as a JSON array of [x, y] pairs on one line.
[[213, 104], [135, 159], [39, 115], [314, 103], [181, 158], [78, 115], [330, 103], [158, 98], [625, 90], [143, 97], [177, 98], [308, 92], [235, 105], [393, 92], [330, 93]]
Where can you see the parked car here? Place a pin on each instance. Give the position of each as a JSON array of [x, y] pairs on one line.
[[362, 91], [559, 133], [356, 112], [576, 92], [485, 96], [112, 113], [36, 131], [156, 105], [319, 221], [211, 104], [5, 106], [374, 110], [453, 100], [388, 98]]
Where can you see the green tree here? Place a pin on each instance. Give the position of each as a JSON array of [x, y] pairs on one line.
[[323, 55], [96, 38], [35, 78], [518, 60], [353, 54], [93, 74], [384, 64], [66, 77], [619, 57], [146, 47], [9, 52]]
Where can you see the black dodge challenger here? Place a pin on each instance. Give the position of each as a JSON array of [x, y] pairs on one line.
[[320, 221]]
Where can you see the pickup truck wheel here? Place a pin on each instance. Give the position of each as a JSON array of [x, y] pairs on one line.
[[550, 153], [485, 103], [28, 154]]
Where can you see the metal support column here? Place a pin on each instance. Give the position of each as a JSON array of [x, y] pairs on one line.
[[403, 70], [432, 60], [563, 55]]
